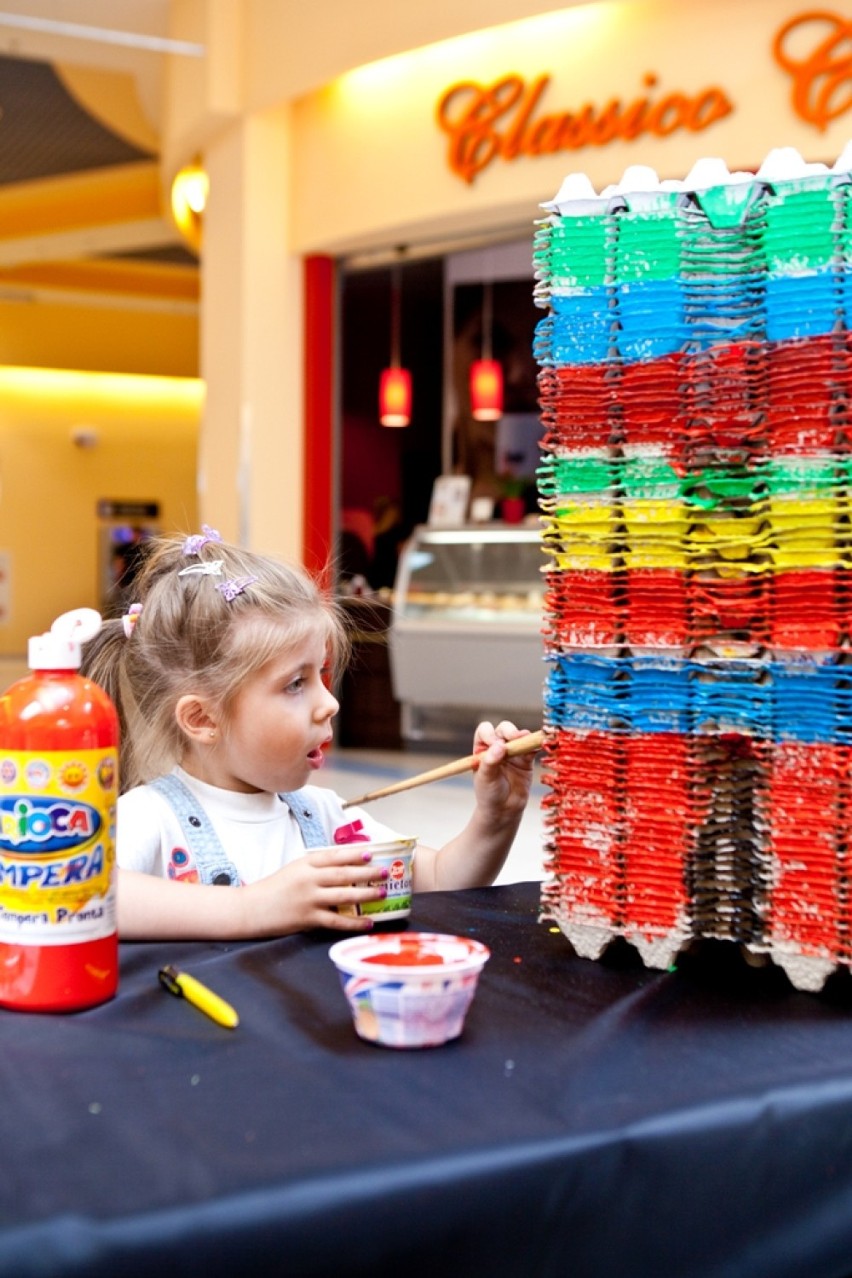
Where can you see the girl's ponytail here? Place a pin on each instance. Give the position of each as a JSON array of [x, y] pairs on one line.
[[103, 663]]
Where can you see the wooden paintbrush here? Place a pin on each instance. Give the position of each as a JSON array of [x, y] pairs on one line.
[[520, 745]]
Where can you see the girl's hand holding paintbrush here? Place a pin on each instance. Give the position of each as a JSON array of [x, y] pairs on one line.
[[503, 761], [521, 743], [501, 785], [502, 777]]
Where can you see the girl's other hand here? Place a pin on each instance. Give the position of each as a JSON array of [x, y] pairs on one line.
[[308, 892]]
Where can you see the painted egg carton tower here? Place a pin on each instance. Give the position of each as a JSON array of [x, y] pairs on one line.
[[695, 368]]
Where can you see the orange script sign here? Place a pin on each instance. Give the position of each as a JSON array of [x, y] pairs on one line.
[[816, 48], [508, 119], [504, 120]]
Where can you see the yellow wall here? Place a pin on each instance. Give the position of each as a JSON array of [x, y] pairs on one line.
[[143, 400], [145, 433], [64, 334]]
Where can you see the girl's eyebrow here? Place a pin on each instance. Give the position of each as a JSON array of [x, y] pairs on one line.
[[298, 663], [293, 671]]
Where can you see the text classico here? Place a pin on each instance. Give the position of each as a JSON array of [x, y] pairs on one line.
[[510, 117], [506, 119]]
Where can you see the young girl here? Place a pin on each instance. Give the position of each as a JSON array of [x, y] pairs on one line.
[[220, 675]]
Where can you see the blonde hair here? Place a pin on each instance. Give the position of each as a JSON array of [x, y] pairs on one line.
[[190, 637]]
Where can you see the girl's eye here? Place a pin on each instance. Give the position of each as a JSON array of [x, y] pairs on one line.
[[296, 685]]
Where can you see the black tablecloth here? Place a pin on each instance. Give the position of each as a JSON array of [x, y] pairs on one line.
[[593, 1119]]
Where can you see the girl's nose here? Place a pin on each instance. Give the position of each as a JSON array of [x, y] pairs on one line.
[[328, 705]]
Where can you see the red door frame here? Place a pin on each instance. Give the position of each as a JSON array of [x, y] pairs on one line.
[[318, 444]]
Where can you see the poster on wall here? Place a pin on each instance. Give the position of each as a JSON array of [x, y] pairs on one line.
[[450, 497]]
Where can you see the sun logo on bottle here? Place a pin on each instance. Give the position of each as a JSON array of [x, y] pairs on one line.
[[73, 776]]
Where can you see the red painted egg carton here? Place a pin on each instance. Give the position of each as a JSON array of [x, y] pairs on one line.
[[664, 840]]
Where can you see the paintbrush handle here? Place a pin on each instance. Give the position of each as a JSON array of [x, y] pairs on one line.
[[519, 745]]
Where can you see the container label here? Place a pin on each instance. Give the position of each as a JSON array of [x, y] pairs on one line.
[[57, 846]]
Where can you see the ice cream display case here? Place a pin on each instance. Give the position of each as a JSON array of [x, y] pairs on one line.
[[465, 632]]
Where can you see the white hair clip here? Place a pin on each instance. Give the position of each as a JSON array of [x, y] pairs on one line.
[[213, 568]]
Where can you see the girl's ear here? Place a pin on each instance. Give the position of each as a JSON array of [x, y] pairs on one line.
[[194, 718]]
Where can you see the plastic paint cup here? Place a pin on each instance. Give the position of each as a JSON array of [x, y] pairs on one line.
[[398, 856], [409, 989]]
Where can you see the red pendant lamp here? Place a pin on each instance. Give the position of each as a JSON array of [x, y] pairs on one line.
[[486, 374], [395, 382]]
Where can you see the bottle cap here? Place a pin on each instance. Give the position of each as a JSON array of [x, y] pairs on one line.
[[61, 647]]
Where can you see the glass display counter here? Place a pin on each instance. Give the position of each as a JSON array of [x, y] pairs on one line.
[[466, 625]]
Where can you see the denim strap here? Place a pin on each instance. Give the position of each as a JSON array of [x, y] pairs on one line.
[[312, 829], [204, 843]]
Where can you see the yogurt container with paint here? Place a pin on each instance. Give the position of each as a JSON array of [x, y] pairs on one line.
[[398, 856], [409, 989]]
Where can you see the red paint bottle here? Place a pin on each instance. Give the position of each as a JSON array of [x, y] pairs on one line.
[[58, 793]]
